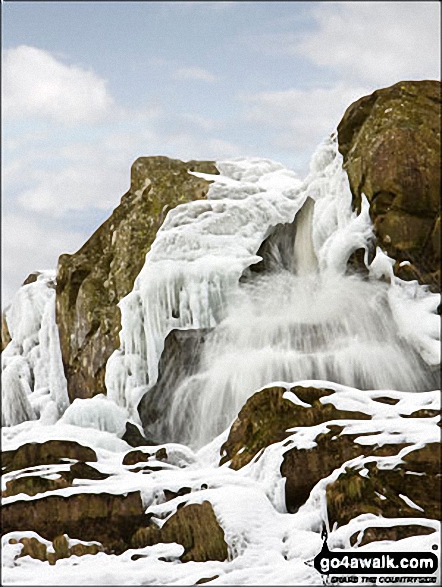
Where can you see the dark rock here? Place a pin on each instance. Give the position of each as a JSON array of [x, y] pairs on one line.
[[390, 142], [375, 533], [169, 495], [161, 454], [206, 580], [46, 453], [179, 360], [136, 456], [133, 436], [92, 281]]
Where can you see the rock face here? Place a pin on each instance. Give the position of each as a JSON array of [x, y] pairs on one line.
[[91, 282], [390, 142], [115, 522], [179, 360]]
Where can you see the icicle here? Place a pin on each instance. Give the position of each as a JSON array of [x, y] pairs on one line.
[[35, 346]]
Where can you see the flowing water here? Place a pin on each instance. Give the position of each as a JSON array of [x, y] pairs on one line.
[[291, 322]]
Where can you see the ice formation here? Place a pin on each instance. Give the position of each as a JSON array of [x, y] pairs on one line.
[[33, 381], [303, 316]]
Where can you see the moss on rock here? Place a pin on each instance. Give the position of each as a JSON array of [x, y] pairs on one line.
[[390, 142]]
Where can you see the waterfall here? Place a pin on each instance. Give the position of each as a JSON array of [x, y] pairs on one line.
[[261, 269], [290, 325]]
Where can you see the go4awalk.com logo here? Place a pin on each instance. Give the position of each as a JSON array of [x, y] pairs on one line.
[[408, 567]]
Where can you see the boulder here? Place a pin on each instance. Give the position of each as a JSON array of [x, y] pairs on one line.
[[50, 452], [93, 280], [195, 527], [61, 548], [267, 415], [390, 142]]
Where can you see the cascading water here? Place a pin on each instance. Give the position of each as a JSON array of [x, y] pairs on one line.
[[263, 265], [289, 325]]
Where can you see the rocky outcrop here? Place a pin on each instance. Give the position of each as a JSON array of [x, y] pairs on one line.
[[391, 492], [91, 282], [50, 452], [195, 527], [61, 548], [103, 517], [267, 416], [386, 488], [390, 142]]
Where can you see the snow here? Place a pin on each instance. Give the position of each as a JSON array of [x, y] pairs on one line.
[[98, 412]]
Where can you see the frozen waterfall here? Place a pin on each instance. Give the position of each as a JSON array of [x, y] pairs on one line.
[[262, 266]]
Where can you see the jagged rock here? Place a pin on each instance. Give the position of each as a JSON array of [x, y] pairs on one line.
[[266, 416], [195, 527], [91, 282], [46, 453], [332, 449], [103, 517], [35, 549], [133, 436], [390, 142], [388, 491]]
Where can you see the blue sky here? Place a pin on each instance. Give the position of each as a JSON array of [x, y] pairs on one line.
[[90, 86]]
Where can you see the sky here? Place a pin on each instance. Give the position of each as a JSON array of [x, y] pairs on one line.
[[87, 87]]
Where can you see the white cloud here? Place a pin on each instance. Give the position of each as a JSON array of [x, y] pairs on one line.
[[36, 84], [301, 118], [29, 245], [380, 43], [195, 74]]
